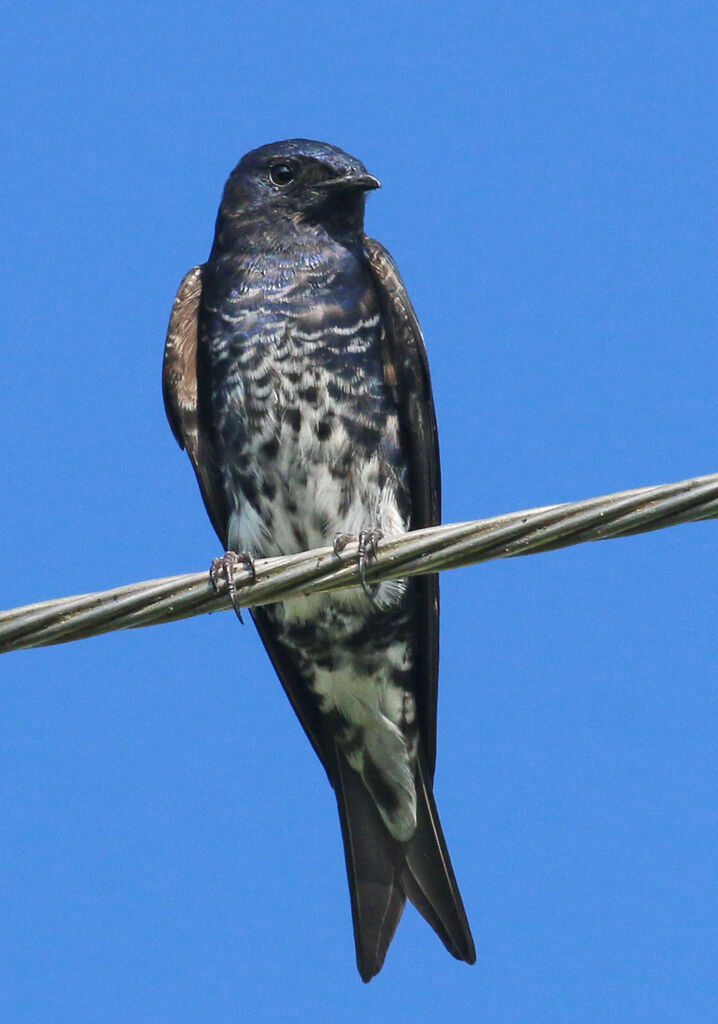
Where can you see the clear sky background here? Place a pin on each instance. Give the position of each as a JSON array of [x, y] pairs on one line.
[[169, 847]]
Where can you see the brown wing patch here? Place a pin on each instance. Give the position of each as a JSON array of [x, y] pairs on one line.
[[179, 372], [179, 388]]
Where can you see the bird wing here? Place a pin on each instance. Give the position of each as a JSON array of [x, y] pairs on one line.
[[406, 370], [179, 389]]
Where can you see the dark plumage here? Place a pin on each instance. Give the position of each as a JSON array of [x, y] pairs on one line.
[[295, 376]]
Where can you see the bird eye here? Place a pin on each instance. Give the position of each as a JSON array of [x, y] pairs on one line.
[[281, 174]]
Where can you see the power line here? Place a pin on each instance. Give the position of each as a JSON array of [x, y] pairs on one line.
[[442, 547]]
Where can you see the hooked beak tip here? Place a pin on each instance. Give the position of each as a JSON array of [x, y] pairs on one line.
[[369, 182]]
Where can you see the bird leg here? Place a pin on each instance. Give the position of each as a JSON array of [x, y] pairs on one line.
[[367, 541], [222, 569]]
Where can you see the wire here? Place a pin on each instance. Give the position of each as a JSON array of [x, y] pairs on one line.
[[421, 551]]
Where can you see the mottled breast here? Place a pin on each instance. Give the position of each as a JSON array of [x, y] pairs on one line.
[[307, 433]]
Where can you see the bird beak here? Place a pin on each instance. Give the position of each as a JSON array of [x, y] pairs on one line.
[[365, 182]]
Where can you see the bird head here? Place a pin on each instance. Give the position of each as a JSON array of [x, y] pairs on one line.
[[301, 182]]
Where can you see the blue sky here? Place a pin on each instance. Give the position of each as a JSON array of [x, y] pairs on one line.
[[170, 847]]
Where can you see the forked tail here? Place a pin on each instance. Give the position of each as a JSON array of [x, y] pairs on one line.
[[383, 872]]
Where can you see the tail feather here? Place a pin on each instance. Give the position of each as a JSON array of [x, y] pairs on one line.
[[428, 878], [383, 872], [372, 869]]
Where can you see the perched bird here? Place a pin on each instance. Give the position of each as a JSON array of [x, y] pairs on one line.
[[295, 375]]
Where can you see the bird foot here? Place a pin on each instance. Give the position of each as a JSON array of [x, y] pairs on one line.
[[367, 541], [222, 571]]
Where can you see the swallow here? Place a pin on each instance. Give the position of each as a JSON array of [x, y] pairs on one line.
[[296, 378]]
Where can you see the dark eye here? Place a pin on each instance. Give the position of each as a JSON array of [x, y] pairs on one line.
[[281, 174]]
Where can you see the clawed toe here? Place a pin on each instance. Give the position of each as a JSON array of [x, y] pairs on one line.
[[222, 571], [367, 541], [340, 542]]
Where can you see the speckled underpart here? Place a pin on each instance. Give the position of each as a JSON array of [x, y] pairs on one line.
[[308, 438], [359, 665]]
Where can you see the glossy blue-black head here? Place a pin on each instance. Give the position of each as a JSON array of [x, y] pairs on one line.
[[300, 181]]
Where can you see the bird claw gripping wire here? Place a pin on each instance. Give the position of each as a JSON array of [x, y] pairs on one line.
[[367, 541], [222, 570]]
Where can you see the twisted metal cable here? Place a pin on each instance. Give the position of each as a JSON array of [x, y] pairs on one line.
[[422, 551]]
